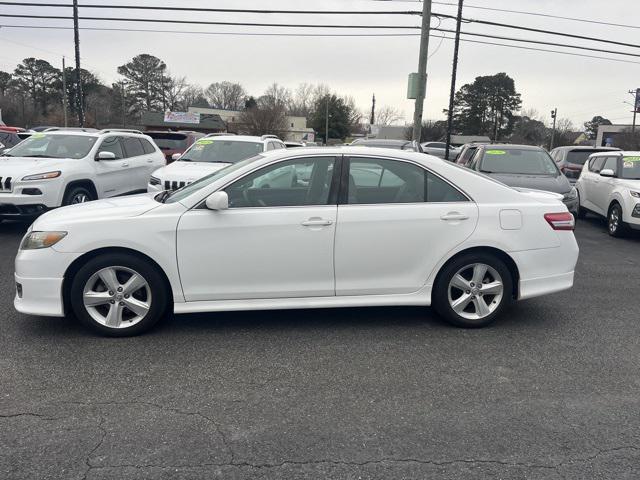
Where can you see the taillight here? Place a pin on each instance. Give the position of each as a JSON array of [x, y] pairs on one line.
[[560, 221]]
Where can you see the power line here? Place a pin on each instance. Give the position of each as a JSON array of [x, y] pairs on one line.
[[522, 12], [220, 10], [267, 34], [290, 25]]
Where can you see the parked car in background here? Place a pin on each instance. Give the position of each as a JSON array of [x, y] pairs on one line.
[[466, 153], [52, 169], [571, 159], [438, 149], [6, 128], [174, 143], [23, 135], [524, 166], [70, 129], [444, 236], [392, 144], [610, 186], [8, 139], [208, 155], [293, 144]]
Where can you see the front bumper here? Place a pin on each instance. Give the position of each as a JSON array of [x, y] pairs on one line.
[[572, 205], [39, 276]]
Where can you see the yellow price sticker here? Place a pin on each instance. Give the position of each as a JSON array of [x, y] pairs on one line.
[[496, 152], [204, 142]]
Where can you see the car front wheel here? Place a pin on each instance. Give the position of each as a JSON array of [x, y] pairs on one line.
[[615, 225], [77, 195], [473, 290], [118, 295]]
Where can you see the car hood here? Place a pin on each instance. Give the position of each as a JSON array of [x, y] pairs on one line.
[[558, 184], [122, 207], [17, 167], [181, 171]]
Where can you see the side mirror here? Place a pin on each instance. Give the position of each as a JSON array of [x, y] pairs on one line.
[[607, 172], [217, 201], [106, 156], [176, 156]]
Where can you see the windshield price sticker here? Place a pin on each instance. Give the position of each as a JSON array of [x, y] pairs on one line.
[[204, 142], [496, 152], [632, 159], [38, 135]]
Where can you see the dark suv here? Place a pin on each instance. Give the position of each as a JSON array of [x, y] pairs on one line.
[[172, 143], [570, 160]]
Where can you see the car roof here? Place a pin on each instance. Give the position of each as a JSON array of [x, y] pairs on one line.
[[510, 146], [380, 141], [617, 152], [586, 147], [97, 133], [243, 138]]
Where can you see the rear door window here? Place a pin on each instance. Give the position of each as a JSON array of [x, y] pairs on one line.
[[133, 147]]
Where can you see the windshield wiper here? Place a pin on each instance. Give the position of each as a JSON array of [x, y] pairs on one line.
[[162, 197], [485, 171], [37, 156]]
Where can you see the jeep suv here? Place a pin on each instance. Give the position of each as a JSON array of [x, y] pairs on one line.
[[208, 155], [52, 169]]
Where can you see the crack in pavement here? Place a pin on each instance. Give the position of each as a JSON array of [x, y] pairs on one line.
[[87, 459]]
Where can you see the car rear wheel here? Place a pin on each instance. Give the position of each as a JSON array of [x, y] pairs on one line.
[[473, 290], [615, 225], [118, 295]]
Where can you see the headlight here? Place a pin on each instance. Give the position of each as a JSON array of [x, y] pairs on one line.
[[35, 240], [572, 195], [634, 193], [154, 181], [42, 176]]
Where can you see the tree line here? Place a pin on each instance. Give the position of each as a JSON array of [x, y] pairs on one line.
[[33, 95]]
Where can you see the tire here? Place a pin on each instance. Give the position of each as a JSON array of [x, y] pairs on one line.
[[615, 226], [76, 195], [103, 300], [449, 289], [582, 212]]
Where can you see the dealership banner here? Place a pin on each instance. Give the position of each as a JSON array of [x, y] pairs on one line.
[[182, 117]]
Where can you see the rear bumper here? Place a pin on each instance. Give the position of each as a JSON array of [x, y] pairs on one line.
[[39, 296]]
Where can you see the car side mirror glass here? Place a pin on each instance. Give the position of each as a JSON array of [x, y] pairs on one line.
[[176, 156], [106, 156], [607, 172], [218, 201]]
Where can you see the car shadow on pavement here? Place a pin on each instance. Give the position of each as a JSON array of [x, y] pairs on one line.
[[600, 223]]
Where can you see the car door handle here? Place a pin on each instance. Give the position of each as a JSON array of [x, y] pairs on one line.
[[317, 222], [454, 216]]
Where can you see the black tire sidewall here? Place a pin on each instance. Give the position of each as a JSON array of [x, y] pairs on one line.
[[620, 231], [156, 282], [440, 294], [73, 191]]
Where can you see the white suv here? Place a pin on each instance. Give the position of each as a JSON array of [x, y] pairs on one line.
[[208, 155], [610, 186], [52, 169]]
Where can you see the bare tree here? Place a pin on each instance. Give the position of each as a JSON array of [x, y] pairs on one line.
[[174, 88], [276, 95], [388, 115], [193, 96], [226, 95], [302, 100], [269, 114]]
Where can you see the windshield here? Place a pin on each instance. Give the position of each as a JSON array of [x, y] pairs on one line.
[[221, 151], [580, 156], [41, 145], [631, 168], [184, 192], [170, 141], [518, 162]]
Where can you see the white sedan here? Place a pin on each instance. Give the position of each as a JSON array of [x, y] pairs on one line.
[[303, 228]]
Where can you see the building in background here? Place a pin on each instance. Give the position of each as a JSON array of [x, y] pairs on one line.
[[204, 123], [297, 130], [607, 134]]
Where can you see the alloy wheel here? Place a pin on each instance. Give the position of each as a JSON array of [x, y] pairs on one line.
[[79, 198], [475, 291], [117, 297], [614, 220]]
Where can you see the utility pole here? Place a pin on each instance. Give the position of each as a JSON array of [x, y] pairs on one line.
[[554, 115], [326, 124], [124, 112], [454, 73], [372, 119], [497, 123], [76, 39], [636, 96], [422, 70], [64, 93]]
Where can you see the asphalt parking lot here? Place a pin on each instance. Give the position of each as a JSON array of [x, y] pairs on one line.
[[552, 390]]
